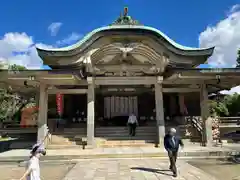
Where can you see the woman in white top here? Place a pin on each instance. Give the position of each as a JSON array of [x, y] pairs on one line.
[[33, 169]]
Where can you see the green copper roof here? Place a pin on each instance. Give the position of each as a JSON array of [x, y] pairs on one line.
[[119, 27], [125, 22]]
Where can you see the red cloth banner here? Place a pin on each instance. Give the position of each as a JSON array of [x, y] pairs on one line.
[[59, 101]]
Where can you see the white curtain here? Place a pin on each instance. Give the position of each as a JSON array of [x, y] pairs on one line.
[[120, 106]]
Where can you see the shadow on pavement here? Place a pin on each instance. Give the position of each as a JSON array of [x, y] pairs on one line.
[[230, 160], [153, 170]]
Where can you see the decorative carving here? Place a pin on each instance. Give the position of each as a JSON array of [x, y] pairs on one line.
[[125, 19]]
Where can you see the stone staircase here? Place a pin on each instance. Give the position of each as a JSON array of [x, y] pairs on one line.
[[105, 137], [67, 138], [116, 137]]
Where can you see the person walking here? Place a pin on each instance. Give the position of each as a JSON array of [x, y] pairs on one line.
[[132, 123], [171, 144], [33, 170]]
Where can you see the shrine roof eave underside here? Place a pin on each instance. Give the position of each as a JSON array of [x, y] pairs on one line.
[[93, 36], [216, 79]]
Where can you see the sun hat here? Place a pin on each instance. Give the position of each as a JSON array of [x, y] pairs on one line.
[[38, 148]]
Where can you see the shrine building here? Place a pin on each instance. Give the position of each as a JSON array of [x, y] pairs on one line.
[[123, 68]]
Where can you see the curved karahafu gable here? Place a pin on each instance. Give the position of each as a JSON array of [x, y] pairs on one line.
[[133, 29], [102, 44]]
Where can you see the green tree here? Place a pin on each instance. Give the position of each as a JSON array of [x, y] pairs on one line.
[[11, 104], [15, 67], [238, 59], [218, 108], [232, 103]]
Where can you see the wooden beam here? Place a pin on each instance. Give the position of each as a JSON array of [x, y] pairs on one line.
[[203, 77], [67, 91], [180, 90], [127, 80]]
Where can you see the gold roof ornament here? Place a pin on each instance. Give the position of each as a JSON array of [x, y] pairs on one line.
[[125, 19]]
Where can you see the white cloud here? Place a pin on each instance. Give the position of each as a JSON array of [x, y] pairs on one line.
[[20, 42], [232, 91], [234, 8], [54, 28], [72, 38], [15, 48], [225, 36]]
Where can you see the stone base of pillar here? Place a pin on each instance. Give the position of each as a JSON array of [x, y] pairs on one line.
[[161, 134], [42, 132], [91, 146]]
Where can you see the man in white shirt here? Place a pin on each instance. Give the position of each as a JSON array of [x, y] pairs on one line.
[[132, 123], [33, 169]]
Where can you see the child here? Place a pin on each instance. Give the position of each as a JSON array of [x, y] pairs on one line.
[[33, 169]]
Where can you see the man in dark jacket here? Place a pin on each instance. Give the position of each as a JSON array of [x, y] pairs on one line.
[[171, 144]]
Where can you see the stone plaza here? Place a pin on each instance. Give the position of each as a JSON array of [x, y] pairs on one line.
[[133, 169], [112, 169]]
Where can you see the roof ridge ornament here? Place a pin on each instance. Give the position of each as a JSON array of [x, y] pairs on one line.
[[125, 19]]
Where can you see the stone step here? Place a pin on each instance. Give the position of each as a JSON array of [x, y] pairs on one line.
[[109, 131], [66, 143], [110, 128], [127, 145], [120, 129], [123, 134], [64, 146], [125, 141], [127, 138], [79, 138]]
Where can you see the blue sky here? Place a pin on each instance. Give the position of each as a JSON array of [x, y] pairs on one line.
[[184, 21]]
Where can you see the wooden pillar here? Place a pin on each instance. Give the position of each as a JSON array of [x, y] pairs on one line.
[[159, 110], [90, 111], [42, 114], [207, 120]]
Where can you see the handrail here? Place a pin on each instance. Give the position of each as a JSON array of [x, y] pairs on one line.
[[229, 121]]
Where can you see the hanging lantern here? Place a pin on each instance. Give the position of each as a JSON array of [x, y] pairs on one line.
[[59, 101]]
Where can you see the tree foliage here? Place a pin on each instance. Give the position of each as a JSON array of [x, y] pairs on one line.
[[232, 102], [218, 108], [238, 59], [11, 103], [16, 67], [228, 106]]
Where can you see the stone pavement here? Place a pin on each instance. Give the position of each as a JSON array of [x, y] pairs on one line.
[[122, 152], [133, 169]]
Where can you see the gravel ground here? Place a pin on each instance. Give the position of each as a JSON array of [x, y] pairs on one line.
[[48, 171], [222, 170]]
